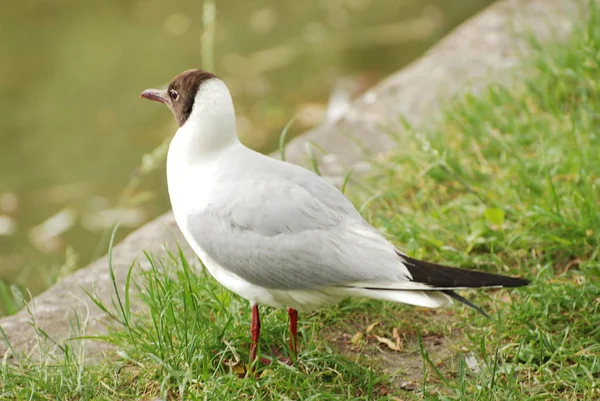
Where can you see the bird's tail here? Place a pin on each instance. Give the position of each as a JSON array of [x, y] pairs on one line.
[[432, 285], [446, 279]]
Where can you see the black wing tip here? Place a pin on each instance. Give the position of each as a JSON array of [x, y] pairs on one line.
[[453, 277], [516, 282]]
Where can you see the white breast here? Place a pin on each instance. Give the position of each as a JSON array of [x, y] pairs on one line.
[[190, 183], [190, 186]]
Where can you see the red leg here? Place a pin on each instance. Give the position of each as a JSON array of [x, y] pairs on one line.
[[255, 331], [293, 315]]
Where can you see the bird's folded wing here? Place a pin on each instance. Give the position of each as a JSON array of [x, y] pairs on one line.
[[277, 234]]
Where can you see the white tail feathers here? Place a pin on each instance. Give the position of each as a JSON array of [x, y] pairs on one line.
[[428, 299]]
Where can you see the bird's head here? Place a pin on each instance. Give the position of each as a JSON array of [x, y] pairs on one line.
[[181, 93]]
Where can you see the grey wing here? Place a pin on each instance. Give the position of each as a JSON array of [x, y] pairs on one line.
[[293, 200], [275, 233]]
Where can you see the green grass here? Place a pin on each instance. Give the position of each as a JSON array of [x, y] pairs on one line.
[[8, 303], [507, 181]]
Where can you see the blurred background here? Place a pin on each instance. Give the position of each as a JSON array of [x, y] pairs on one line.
[[79, 151]]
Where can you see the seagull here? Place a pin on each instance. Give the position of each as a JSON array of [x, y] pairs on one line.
[[278, 234]]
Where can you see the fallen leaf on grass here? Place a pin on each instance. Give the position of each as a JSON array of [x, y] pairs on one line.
[[472, 363], [371, 327], [357, 338], [574, 262], [396, 336], [390, 344], [239, 370], [408, 386], [236, 356]]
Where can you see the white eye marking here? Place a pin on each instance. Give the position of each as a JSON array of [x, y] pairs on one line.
[[173, 95]]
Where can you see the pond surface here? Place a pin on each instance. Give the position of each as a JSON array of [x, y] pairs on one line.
[[73, 131]]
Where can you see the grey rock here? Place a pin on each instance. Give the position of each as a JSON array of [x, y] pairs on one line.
[[54, 310], [483, 49]]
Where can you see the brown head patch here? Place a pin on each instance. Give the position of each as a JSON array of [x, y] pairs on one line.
[[182, 92]]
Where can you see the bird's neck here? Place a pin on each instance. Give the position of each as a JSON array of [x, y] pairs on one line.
[[210, 127]]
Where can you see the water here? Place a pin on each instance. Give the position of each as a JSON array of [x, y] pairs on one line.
[[73, 130]]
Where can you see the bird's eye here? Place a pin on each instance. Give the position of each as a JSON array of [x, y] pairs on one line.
[[173, 95]]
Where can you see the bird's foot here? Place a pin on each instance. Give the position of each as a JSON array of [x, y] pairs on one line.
[[285, 359]]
